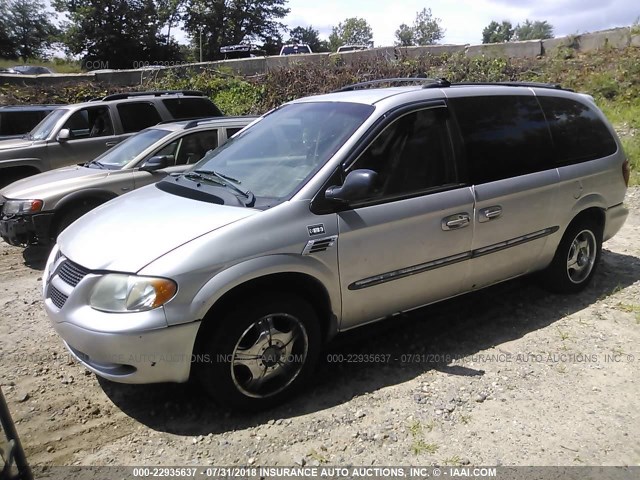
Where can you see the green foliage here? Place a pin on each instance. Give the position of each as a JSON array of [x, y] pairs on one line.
[[229, 23], [25, 29], [498, 32], [233, 95], [426, 30], [116, 33], [310, 36], [352, 31], [404, 36], [538, 30]]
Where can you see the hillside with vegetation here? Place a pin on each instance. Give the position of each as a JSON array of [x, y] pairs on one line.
[[611, 76]]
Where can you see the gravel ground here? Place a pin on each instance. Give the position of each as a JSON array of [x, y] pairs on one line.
[[511, 375]]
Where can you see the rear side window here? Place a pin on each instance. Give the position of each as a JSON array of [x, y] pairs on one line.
[[504, 136], [577, 131], [138, 116], [19, 122], [191, 107]]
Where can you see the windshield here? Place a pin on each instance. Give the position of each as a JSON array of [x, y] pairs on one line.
[[44, 128], [118, 156], [276, 155]]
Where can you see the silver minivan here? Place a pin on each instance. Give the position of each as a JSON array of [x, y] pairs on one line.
[[332, 212]]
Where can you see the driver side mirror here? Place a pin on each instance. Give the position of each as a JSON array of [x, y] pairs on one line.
[[157, 163], [357, 186], [64, 135]]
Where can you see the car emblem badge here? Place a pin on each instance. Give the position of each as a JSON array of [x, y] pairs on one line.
[[316, 229]]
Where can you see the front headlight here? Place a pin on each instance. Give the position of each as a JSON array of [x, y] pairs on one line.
[[119, 293], [20, 207]]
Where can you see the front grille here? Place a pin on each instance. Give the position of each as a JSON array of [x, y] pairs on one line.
[[57, 297], [72, 273]]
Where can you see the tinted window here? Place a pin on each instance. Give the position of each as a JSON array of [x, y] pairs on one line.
[[137, 116], [19, 122], [90, 122], [411, 154], [191, 107], [190, 148], [504, 136], [578, 134]]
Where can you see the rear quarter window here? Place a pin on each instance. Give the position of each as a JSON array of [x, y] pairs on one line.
[[136, 116], [578, 132], [17, 123], [504, 136], [191, 107]]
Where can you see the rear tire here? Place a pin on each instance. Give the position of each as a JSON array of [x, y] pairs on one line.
[[260, 353], [576, 258]]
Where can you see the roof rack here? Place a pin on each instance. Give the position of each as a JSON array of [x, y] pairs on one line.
[[554, 86], [157, 93], [429, 83]]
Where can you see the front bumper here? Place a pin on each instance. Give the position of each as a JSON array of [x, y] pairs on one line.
[[153, 356], [135, 347], [27, 229]]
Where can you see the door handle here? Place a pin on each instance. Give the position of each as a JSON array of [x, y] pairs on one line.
[[111, 144], [456, 221], [489, 213]]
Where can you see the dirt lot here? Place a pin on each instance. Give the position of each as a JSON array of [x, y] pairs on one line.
[[511, 375]]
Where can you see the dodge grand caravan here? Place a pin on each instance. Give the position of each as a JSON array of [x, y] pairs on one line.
[[332, 212]]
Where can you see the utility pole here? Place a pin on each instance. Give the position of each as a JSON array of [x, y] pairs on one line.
[[200, 43]]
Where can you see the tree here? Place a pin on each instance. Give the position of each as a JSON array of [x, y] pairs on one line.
[[7, 45], [426, 28], [310, 36], [498, 32], [26, 30], [169, 14], [229, 22], [404, 35], [353, 31], [534, 30], [115, 33]]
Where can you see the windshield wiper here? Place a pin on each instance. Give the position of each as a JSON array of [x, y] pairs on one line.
[[218, 174], [219, 179], [94, 162]]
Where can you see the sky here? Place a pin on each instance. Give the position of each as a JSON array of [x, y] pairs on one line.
[[463, 20]]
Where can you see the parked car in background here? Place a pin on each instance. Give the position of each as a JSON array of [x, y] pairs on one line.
[[331, 212], [18, 120], [243, 50], [351, 48], [32, 70], [38, 208], [295, 49], [75, 134]]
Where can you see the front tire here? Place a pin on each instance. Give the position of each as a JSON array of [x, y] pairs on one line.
[[260, 353], [576, 258]]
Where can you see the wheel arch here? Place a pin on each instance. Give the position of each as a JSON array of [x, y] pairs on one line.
[[93, 196], [299, 283]]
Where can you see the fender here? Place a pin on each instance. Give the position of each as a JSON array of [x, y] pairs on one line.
[[100, 194], [255, 268], [33, 162]]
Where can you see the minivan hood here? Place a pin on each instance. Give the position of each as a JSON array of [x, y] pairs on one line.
[[11, 143], [129, 232], [53, 183]]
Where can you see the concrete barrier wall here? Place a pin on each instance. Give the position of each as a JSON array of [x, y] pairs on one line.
[[617, 38]]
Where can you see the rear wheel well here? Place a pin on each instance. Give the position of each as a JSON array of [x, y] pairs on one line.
[[594, 214], [11, 174], [299, 284]]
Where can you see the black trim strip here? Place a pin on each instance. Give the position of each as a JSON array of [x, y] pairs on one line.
[[446, 261]]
